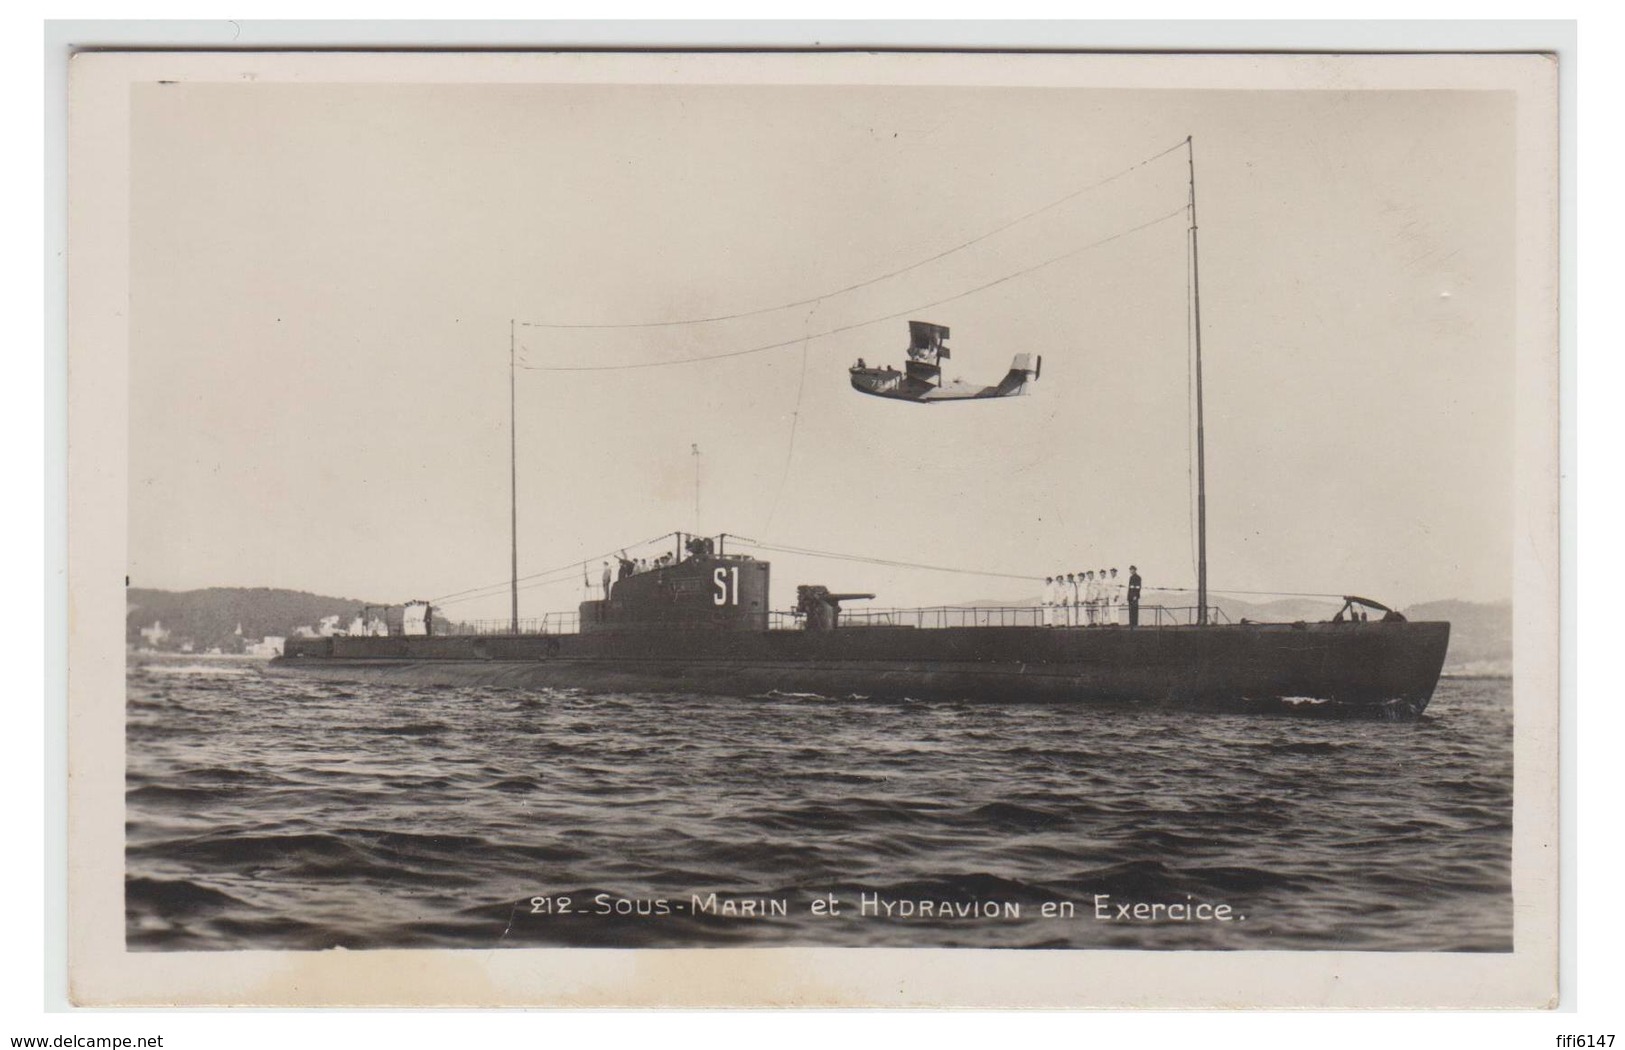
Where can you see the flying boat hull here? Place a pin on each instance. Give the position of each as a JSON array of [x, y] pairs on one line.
[[907, 386]]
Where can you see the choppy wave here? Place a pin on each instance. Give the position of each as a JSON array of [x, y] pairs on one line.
[[269, 811]]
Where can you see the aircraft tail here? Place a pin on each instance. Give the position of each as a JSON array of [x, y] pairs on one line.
[[1023, 370]]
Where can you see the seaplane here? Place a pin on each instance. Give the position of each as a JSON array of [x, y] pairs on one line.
[[920, 379]]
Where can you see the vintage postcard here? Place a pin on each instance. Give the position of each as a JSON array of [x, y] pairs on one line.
[[786, 529]]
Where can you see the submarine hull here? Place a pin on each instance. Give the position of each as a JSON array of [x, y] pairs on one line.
[[1377, 670]]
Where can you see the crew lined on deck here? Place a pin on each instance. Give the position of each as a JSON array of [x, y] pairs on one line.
[[1090, 599]]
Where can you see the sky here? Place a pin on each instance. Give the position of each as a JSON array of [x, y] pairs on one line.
[[324, 275]]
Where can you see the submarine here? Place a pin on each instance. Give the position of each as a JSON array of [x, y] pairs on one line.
[[702, 624]]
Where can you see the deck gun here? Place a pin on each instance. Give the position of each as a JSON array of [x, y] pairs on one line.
[[821, 606]]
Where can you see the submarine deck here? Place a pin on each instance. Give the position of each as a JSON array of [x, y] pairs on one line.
[[1347, 663]]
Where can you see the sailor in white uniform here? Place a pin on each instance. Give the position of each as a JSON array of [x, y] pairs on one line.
[[1049, 601], [1117, 599], [1086, 598], [1067, 587], [1103, 599]]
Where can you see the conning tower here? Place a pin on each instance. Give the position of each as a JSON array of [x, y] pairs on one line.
[[701, 589]]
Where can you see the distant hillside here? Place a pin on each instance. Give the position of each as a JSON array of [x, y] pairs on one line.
[[210, 617]]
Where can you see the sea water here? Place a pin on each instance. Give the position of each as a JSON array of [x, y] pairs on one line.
[[274, 811]]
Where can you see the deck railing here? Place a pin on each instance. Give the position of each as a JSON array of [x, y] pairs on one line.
[[940, 616], [550, 623], [923, 618]]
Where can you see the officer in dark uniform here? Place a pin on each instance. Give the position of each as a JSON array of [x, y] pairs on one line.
[[1133, 596]]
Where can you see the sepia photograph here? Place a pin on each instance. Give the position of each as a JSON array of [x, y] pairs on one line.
[[1096, 507]]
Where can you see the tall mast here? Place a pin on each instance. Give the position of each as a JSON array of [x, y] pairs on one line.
[[1201, 451], [513, 479]]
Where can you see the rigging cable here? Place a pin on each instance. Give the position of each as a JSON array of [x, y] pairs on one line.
[[857, 324], [1267, 594], [894, 563], [526, 583], [473, 592], [535, 579], [883, 277], [889, 562], [795, 424]]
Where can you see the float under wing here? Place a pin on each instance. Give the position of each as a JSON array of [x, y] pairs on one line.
[[908, 386]]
